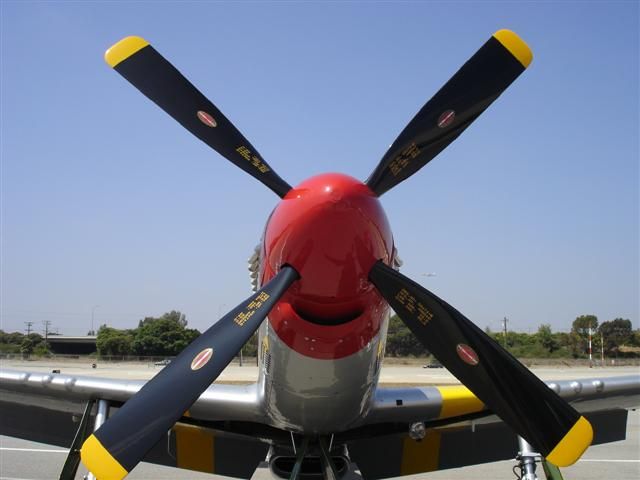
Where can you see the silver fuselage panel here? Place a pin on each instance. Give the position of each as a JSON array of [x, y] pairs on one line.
[[311, 395]]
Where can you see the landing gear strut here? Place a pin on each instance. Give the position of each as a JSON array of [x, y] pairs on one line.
[[72, 462], [329, 471], [527, 460]]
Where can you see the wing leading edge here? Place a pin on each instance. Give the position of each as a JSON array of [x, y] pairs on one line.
[[47, 408], [414, 404], [460, 431]]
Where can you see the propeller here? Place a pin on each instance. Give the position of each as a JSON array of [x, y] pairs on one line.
[[510, 390], [456, 105], [154, 76], [123, 440]]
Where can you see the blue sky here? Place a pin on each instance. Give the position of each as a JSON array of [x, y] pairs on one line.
[[533, 213]]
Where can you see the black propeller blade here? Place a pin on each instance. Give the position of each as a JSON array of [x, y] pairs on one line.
[[117, 447], [509, 389], [153, 75], [456, 105]]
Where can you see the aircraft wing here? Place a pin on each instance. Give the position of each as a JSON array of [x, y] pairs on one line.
[[461, 432], [47, 408], [226, 431]]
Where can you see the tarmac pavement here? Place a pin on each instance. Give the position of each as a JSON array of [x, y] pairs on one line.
[[248, 373], [24, 460]]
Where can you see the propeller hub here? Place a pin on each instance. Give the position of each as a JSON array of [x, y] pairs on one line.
[[332, 229]]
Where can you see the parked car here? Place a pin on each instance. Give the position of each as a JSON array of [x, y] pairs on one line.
[[433, 365], [164, 362]]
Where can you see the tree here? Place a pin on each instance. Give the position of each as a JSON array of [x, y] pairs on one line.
[[34, 344], [401, 342], [27, 346], [13, 342], [580, 333], [616, 333], [583, 323], [546, 339], [14, 338], [111, 341], [163, 336], [173, 316]]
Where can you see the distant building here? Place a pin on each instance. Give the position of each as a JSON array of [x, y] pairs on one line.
[[66, 345]]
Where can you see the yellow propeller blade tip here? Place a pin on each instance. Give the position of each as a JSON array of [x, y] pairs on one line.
[[124, 49], [518, 48], [99, 461], [572, 445]]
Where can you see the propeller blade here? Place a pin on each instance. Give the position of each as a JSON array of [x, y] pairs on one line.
[[456, 105], [510, 390], [161, 82], [117, 447]]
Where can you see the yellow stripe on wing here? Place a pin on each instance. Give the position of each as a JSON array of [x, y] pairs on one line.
[[458, 400], [124, 49], [573, 444], [421, 456], [100, 462], [195, 448], [515, 45]]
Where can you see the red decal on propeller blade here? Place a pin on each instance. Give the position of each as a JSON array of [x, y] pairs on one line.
[[446, 118], [467, 354], [201, 359], [207, 119]]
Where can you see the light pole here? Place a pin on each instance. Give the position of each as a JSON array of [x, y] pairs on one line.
[[93, 311], [504, 323], [590, 356]]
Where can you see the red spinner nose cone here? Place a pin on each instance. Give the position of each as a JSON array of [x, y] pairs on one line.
[[332, 229]]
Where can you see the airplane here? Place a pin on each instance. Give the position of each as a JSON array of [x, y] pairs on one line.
[[325, 277]]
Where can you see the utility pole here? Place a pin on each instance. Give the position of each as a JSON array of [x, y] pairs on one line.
[[47, 324], [602, 348], [504, 327], [28, 329]]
